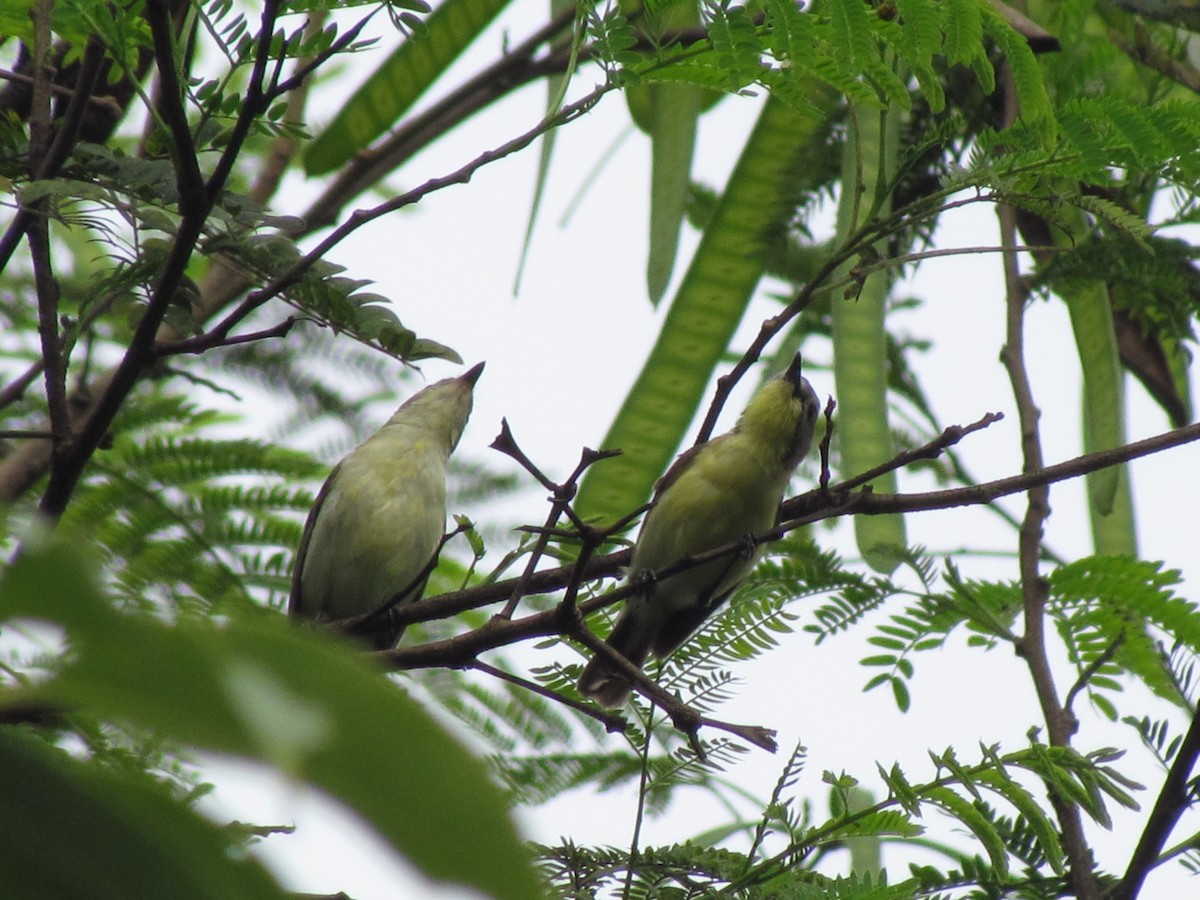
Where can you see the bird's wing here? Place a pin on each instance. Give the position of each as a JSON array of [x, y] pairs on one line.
[[302, 551], [677, 468]]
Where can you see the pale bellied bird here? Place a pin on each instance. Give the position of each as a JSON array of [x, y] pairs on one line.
[[380, 516], [715, 494]]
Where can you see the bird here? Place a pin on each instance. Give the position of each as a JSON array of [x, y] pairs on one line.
[[379, 518], [715, 494]]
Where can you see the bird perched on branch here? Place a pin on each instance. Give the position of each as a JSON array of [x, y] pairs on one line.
[[717, 493], [379, 518]]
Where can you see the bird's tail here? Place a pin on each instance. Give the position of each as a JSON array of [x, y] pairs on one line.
[[600, 680]]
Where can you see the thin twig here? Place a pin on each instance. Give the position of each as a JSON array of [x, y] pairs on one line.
[[685, 719], [255, 101], [1086, 676], [826, 442], [560, 504], [612, 722], [108, 102], [950, 436], [211, 341]]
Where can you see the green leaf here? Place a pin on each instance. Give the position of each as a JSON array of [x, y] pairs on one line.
[[676, 108], [1028, 806], [404, 76], [885, 822], [263, 688], [860, 335], [963, 29], [1033, 101], [966, 813], [72, 829]]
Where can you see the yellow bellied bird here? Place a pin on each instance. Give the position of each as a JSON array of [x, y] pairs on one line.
[[380, 516], [714, 494]]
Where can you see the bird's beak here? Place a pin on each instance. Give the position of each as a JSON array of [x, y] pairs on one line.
[[472, 374], [793, 373]]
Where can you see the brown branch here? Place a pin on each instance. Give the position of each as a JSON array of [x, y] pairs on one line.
[[1031, 646], [871, 503], [41, 135], [196, 199], [254, 102], [826, 442], [48, 297], [49, 148], [106, 102], [1173, 798], [67, 132], [804, 509], [211, 341], [15, 389]]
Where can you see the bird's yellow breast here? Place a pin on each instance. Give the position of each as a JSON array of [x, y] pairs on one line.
[[731, 488], [378, 526]]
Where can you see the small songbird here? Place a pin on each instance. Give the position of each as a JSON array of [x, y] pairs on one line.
[[715, 494], [380, 516]]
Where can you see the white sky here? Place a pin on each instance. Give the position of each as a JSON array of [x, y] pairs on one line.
[[561, 356]]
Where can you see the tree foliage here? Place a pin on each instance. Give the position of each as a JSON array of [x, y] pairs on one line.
[[156, 276]]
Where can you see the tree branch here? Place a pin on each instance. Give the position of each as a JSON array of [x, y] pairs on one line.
[[37, 229], [1172, 800], [1060, 722], [195, 203], [814, 506], [560, 504]]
